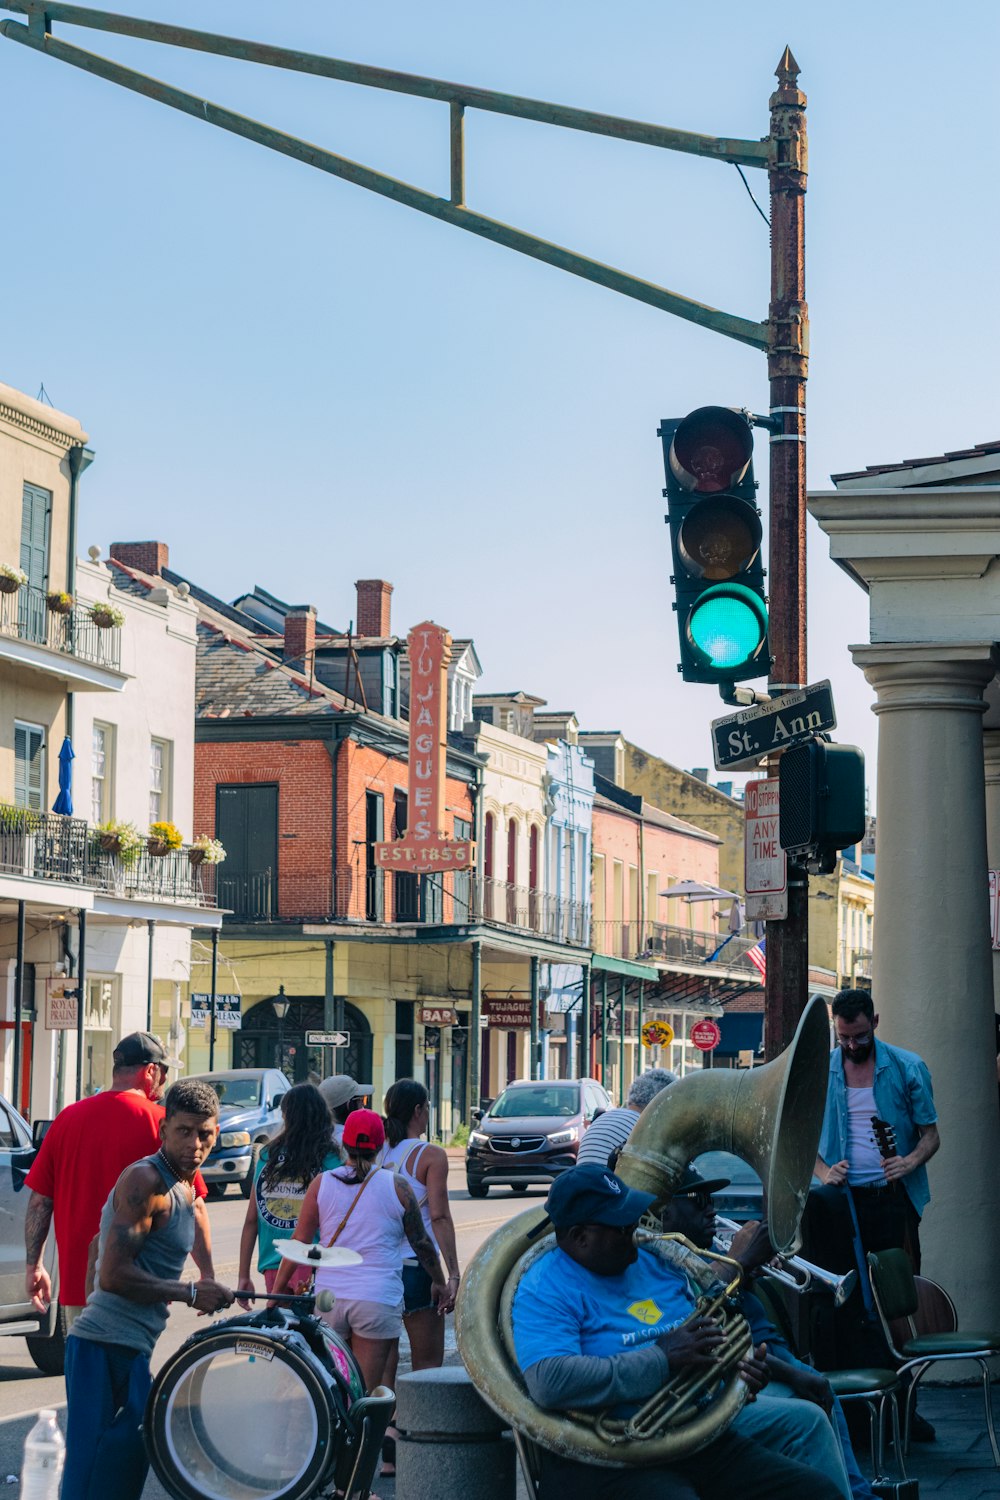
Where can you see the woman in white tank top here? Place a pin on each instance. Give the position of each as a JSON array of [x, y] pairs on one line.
[[425, 1168], [361, 1208]]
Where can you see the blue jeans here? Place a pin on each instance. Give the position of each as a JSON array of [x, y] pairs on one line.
[[106, 1390]]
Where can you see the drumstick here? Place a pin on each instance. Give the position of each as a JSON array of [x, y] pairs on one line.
[[322, 1301]]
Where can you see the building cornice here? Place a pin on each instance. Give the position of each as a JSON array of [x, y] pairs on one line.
[[16, 415]]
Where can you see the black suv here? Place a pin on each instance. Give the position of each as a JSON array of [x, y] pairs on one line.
[[531, 1133], [44, 1331]]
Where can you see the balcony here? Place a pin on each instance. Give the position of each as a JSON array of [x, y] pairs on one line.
[[385, 898], [68, 646], [66, 851], [659, 943]]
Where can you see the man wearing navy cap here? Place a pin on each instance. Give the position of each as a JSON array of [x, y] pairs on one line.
[[597, 1324]]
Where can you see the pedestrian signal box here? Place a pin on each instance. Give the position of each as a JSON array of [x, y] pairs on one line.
[[821, 802], [715, 540]]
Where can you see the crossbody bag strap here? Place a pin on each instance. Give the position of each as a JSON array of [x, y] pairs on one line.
[[354, 1203]]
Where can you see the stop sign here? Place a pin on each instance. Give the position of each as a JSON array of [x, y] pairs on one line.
[[706, 1035]]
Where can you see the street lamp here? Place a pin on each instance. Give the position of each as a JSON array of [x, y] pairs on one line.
[[281, 1011]]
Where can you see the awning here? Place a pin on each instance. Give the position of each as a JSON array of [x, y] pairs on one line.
[[697, 890]]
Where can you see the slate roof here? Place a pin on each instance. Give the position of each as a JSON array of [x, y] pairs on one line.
[[980, 450]]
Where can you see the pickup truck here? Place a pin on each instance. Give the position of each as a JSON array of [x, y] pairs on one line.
[[250, 1114]]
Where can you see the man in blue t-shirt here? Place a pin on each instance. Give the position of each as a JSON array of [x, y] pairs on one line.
[[601, 1324]]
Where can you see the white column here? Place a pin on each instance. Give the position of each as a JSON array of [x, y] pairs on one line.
[[933, 973], [991, 762]]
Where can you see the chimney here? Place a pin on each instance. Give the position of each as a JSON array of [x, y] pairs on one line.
[[300, 635], [374, 596], [145, 557]]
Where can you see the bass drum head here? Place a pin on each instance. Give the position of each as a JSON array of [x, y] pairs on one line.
[[246, 1413]]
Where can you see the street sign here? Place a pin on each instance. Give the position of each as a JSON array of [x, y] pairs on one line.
[[994, 909], [706, 1035], [765, 868], [437, 1015], [657, 1034], [328, 1038], [743, 739]]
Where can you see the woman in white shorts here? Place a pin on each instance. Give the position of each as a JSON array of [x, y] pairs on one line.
[[362, 1208]]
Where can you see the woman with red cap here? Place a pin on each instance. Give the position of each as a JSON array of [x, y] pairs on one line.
[[362, 1208]]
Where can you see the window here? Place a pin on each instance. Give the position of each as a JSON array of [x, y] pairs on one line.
[[101, 773], [159, 780], [390, 686], [29, 765]]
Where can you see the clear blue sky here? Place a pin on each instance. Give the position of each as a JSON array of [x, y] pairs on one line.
[[297, 383]]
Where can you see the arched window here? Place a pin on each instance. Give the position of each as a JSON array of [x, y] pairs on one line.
[[512, 872], [489, 840], [533, 904]]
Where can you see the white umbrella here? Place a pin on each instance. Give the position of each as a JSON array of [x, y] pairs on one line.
[[697, 890]]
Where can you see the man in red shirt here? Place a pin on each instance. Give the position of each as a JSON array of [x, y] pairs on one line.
[[86, 1149]]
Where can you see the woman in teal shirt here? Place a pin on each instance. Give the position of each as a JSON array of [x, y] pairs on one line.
[[287, 1165]]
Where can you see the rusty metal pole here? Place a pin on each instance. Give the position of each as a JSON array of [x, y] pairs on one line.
[[787, 366]]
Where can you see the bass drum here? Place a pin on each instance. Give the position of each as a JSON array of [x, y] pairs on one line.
[[255, 1408]]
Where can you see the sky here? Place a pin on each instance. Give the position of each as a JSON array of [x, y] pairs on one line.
[[296, 383]]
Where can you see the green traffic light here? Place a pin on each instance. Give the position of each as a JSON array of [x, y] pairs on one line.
[[727, 627]]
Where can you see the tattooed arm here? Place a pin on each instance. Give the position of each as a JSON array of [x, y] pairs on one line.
[[37, 1220], [420, 1241], [139, 1198]]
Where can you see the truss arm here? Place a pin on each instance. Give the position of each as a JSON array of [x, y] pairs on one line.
[[451, 212]]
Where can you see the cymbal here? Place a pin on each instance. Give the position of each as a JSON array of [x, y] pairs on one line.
[[316, 1255]]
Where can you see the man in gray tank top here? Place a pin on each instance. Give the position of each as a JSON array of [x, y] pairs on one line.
[[146, 1234]]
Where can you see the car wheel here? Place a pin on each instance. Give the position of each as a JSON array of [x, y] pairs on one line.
[[246, 1186], [216, 1190], [477, 1189], [520, 1187], [49, 1355]]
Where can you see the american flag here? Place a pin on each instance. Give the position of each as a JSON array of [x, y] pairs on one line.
[[756, 957]]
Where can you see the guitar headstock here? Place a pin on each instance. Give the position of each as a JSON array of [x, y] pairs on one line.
[[885, 1137]]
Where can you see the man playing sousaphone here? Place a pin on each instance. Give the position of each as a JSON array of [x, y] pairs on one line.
[[600, 1324]]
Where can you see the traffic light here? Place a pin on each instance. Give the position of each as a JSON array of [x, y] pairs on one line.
[[715, 537], [821, 801]]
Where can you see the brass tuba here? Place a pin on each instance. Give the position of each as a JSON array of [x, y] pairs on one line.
[[771, 1117]]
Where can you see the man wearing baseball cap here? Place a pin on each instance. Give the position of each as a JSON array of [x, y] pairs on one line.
[[87, 1147], [600, 1323], [343, 1094]]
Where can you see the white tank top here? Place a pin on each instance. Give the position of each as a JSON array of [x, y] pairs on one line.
[[863, 1155], [374, 1230], [400, 1159]]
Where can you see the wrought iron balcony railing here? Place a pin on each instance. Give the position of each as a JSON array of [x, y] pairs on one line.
[[381, 896], [26, 616], [658, 942], [48, 846]]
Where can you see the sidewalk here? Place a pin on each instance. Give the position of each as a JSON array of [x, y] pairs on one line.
[[959, 1465]]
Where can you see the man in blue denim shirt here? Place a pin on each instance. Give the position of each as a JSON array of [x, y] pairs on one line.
[[870, 1078]]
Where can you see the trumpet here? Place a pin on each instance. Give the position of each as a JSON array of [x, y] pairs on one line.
[[794, 1271]]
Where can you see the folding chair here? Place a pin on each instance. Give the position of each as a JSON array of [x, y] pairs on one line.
[[896, 1298]]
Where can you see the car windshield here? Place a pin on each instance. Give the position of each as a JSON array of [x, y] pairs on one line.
[[234, 1092], [516, 1103]]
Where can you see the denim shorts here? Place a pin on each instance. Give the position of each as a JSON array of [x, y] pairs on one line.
[[416, 1289]]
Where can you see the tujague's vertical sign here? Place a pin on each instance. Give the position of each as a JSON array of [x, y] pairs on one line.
[[426, 847]]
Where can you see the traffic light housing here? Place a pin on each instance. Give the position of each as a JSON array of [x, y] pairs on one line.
[[715, 539], [821, 801]]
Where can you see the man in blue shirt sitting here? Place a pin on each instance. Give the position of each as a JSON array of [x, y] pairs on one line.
[[599, 1323]]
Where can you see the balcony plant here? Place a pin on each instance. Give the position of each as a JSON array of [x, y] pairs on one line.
[[162, 838], [123, 840], [106, 616], [206, 851], [11, 579], [59, 602]]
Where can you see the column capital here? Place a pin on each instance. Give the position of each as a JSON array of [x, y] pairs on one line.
[[912, 675]]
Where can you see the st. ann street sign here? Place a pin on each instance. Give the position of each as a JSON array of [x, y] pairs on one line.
[[742, 739]]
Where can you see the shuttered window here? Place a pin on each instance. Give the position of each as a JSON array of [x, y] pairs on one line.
[[36, 506], [29, 765]]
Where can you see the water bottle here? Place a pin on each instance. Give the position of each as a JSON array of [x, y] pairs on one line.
[[44, 1456]]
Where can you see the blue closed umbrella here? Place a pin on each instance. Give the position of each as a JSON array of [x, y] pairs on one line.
[[64, 801]]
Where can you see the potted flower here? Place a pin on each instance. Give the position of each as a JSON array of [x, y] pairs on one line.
[[11, 579], [206, 851], [162, 838], [59, 602], [106, 616], [123, 840]]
